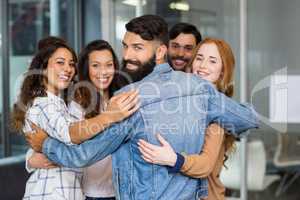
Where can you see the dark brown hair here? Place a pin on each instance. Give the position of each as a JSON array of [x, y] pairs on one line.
[[83, 94], [185, 28], [33, 85], [149, 27]]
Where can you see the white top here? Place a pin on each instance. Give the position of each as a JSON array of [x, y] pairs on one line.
[[52, 115], [61, 183], [97, 178]]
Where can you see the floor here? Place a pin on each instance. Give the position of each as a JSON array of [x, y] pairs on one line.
[[292, 192], [13, 179]]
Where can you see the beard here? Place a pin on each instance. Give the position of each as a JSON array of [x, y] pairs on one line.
[[171, 58], [128, 76]]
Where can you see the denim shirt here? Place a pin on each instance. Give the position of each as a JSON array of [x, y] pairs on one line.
[[177, 105]]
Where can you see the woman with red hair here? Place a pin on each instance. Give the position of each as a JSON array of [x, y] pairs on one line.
[[213, 61]]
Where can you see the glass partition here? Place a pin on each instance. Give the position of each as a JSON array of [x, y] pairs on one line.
[[29, 21]]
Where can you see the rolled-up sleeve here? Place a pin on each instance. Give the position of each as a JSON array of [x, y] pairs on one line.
[[29, 153], [53, 119]]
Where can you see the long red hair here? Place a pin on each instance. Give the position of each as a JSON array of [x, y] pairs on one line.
[[225, 82]]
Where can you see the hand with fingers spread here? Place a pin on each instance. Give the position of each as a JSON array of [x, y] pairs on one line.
[[162, 155], [40, 161], [36, 138], [123, 105]]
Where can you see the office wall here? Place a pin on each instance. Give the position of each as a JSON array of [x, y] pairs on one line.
[[272, 45]]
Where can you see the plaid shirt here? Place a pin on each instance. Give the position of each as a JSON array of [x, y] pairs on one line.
[[51, 114]]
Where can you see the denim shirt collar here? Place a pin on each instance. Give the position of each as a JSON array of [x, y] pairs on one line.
[[161, 68]]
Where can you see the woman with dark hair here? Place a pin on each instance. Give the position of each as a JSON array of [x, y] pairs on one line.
[[97, 67], [212, 60], [43, 101]]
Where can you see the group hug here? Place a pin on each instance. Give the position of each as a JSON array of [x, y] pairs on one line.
[[158, 126]]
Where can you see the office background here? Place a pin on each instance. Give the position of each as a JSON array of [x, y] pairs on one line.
[[273, 47]]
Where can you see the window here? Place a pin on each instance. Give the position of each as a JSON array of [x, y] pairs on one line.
[[29, 21]]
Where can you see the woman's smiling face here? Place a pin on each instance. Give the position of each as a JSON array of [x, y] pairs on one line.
[[101, 69], [208, 63], [60, 70]]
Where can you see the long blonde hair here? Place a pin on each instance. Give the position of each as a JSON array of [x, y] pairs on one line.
[[225, 82]]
